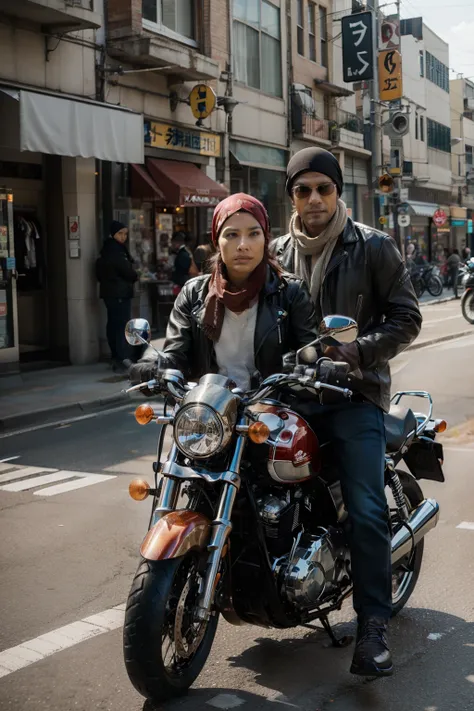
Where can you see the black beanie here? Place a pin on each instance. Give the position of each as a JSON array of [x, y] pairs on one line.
[[316, 160], [115, 227]]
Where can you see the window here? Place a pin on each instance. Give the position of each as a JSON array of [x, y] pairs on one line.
[[175, 16], [439, 136], [416, 127], [422, 128], [323, 28], [300, 27], [257, 56], [422, 63], [469, 162], [437, 72], [312, 30]]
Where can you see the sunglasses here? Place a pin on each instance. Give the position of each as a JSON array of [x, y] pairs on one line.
[[304, 191]]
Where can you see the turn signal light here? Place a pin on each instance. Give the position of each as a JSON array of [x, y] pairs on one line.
[[139, 489], [144, 414], [259, 432], [440, 426]]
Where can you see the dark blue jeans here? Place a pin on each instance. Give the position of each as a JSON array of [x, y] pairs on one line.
[[358, 433]]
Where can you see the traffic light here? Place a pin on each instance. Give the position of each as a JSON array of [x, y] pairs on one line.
[[386, 183]]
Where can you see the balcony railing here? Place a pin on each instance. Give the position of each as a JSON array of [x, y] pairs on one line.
[[315, 127], [349, 121]]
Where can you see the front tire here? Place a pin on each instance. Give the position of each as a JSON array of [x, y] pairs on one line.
[[467, 305], [405, 575], [435, 286], [159, 615]]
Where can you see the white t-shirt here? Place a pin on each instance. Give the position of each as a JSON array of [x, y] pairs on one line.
[[235, 347]]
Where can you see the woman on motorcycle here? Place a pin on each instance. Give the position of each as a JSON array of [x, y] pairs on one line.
[[243, 317]]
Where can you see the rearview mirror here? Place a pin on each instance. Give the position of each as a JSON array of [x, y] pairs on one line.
[[334, 330], [138, 331]]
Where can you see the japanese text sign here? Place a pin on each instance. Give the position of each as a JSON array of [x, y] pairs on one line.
[[357, 47], [390, 75], [176, 138]]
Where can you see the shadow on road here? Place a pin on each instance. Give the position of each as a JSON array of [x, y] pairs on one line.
[[432, 673]]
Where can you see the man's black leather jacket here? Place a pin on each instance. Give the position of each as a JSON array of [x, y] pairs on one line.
[[285, 322], [367, 280]]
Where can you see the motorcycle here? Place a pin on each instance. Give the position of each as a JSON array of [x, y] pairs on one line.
[[467, 299], [248, 519]]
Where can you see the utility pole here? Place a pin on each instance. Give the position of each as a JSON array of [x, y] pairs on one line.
[[397, 230], [375, 115]]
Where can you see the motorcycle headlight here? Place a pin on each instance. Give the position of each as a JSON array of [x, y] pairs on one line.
[[198, 431]]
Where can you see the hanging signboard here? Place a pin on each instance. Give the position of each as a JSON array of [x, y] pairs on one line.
[[390, 32], [357, 47], [390, 75], [202, 101]]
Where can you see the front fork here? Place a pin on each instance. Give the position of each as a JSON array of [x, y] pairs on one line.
[[221, 526]]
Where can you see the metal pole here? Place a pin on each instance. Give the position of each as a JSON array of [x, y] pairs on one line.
[[375, 117]]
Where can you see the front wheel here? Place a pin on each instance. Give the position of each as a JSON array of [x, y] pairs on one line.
[[165, 648], [435, 286], [467, 305], [405, 575]]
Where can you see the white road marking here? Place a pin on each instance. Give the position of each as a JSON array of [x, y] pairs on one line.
[[35, 481], [467, 525], [45, 645], [446, 318], [9, 459], [23, 479], [84, 480], [23, 473]]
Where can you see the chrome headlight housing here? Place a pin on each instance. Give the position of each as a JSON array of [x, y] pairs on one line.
[[198, 431], [205, 423]]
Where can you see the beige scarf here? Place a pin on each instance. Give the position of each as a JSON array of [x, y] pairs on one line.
[[320, 248]]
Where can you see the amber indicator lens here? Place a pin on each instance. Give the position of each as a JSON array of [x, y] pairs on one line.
[[259, 432], [139, 489], [144, 414], [440, 426]]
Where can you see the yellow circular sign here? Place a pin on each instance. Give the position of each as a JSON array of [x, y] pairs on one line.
[[202, 101], [383, 220]]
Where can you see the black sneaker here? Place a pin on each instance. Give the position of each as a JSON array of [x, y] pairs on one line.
[[372, 654]]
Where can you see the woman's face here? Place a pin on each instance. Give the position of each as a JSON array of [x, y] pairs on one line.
[[242, 245]]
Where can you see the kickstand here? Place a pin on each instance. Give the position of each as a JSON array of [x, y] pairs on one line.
[[336, 642]]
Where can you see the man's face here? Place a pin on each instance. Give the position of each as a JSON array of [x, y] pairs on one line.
[[314, 197]]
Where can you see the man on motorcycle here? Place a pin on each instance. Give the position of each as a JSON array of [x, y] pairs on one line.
[[356, 271]]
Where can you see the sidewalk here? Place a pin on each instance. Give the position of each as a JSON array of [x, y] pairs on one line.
[[52, 396]]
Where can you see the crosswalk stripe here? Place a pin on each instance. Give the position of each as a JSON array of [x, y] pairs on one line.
[[38, 481], [85, 480], [24, 472]]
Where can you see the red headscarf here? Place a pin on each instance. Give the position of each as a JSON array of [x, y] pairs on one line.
[[222, 294]]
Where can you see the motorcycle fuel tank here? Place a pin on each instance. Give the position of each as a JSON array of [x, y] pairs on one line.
[[294, 454]]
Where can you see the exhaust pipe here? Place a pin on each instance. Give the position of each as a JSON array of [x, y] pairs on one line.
[[421, 520]]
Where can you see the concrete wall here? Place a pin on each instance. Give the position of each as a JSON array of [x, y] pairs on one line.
[[70, 67]]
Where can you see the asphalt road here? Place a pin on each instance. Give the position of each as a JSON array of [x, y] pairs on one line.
[[69, 556]]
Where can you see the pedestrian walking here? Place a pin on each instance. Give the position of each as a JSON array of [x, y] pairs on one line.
[[116, 276], [454, 260]]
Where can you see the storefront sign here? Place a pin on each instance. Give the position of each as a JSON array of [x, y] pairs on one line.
[[3, 241], [469, 227], [74, 231], [357, 47], [439, 218], [458, 223], [200, 200], [165, 135]]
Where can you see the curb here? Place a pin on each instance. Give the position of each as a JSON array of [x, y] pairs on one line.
[[440, 339], [434, 302], [56, 415]]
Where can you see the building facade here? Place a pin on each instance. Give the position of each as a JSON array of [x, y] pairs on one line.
[[462, 159], [54, 134], [427, 145], [325, 111]]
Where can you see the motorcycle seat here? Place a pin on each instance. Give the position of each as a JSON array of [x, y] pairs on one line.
[[399, 423]]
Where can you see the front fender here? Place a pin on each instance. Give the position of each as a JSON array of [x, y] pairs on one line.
[[175, 534]]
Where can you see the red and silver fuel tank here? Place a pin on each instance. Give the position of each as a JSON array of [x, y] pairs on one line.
[[294, 454]]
